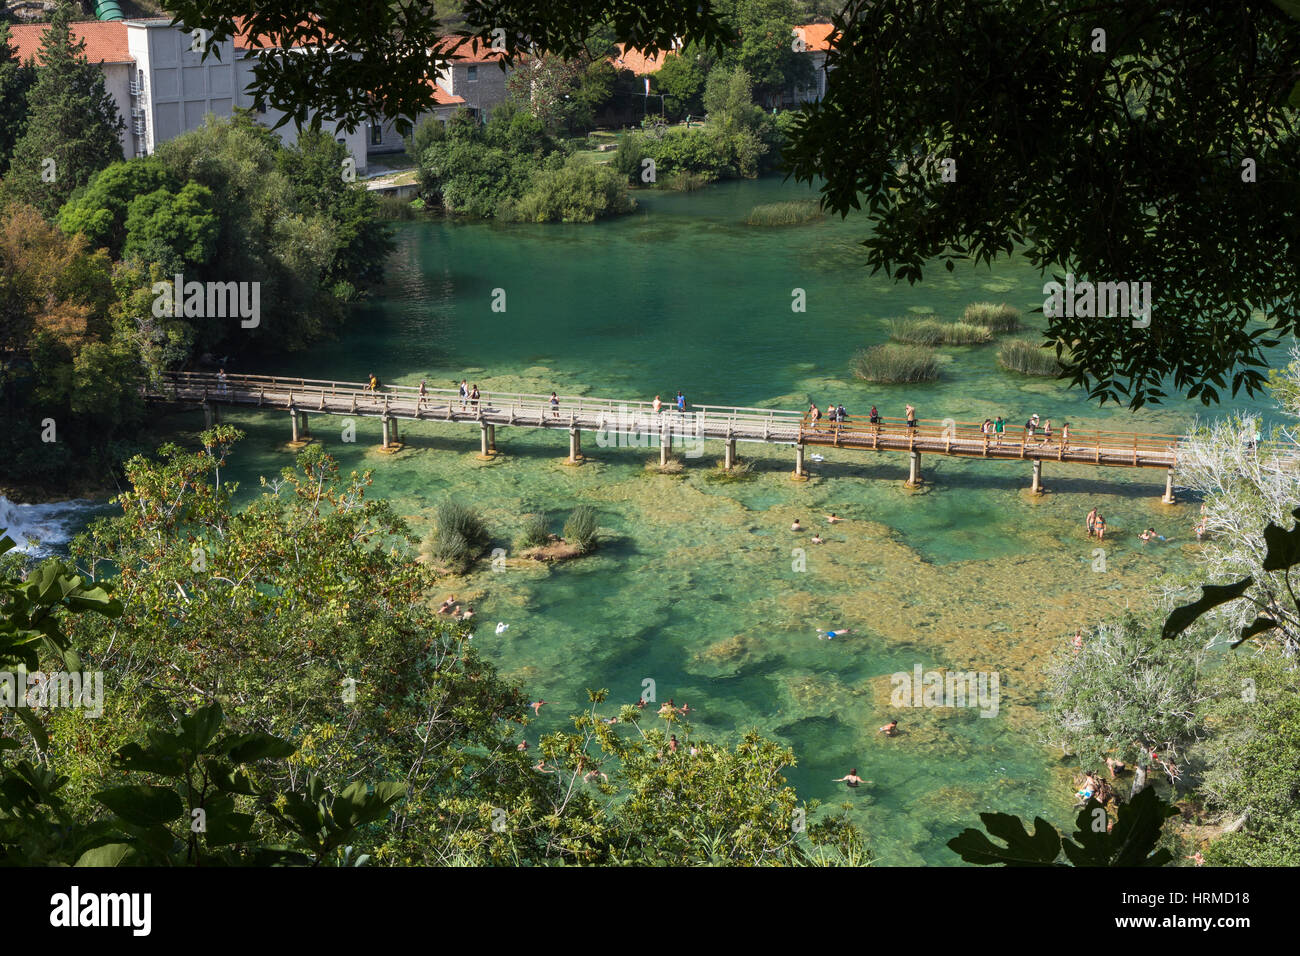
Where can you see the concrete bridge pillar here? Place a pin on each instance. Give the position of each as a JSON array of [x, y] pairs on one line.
[[665, 442], [384, 424], [914, 469], [305, 428], [575, 445], [800, 473], [1037, 487], [1169, 498], [492, 439], [293, 418], [209, 415], [484, 446], [729, 455]]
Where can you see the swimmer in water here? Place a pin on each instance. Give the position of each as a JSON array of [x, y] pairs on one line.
[[501, 627], [447, 605], [672, 743], [685, 709], [796, 526], [831, 635], [541, 765], [832, 518], [537, 706], [818, 539], [851, 778], [889, 729], [523, 745]]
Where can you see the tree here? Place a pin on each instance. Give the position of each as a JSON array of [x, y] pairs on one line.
[[73, 127], [681, 81], [766, 50], [178, 230], [16, 79], [1124, 693], [99, 211], [1092, 141]]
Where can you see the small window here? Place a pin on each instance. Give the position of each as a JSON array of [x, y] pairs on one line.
[[376, 136], [472, 74], [341, 141]]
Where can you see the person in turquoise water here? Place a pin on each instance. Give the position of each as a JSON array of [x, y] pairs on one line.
[[831, 635], [850, 779]]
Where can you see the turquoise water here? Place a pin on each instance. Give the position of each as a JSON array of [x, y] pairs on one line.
[[695, 586]]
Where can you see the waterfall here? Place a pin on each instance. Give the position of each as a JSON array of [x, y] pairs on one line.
[[44, 528]]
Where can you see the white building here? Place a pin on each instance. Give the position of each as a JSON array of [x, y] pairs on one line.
[[164, 87]]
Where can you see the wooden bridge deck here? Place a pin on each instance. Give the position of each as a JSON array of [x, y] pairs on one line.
[[711, 422]]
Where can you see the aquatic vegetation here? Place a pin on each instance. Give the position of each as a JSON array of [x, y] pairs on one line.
[[785, 213], [966, 333], [895, 363], [935, 332], [998, 318], [536, 532], [580, 529], [1028, 358], [459, 537]]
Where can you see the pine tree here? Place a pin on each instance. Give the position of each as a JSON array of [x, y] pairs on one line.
[[72, 123], [15, 81]]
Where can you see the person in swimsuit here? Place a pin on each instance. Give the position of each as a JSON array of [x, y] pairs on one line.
[[681, 401], [423, 393], [889, 729], [850, 779], [987, 428], [656, 404], [1100, 527], [832, 518], [818, 539], [911, 416], [1091, 522], [555, 405], [1047, 431], [537, 706], [1065, 436], [831, 635], [672, 743], [796, 526], [814, 413], [447, 605]]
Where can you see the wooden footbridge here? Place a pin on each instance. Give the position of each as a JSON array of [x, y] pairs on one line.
[[641, 424]]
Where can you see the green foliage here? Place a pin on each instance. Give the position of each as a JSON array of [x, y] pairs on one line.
[[1124, 693], [1028, 357], [176, 230], [966, 333], [997, 318], [580, 530], [99, 212], [72, 121], [792, 213], [916, 331], [765, 50], [16, 79], [460, 537], [1040, 138], [895, 363], [536, 532], [578, 192], [681, 81], [1130, 842]]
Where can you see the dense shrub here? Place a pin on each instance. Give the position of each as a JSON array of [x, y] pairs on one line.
[[896, 363], [577, 192]]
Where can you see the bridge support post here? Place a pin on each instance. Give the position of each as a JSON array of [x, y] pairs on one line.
[[209, 415], [800, 473], [729, 455], [575, 445], [293, 418], [492, 439], [1037, 487], [665, 442], [914, 478], [306, 429], [393, 437], [384, 424], [484, 446], [1169, 498]]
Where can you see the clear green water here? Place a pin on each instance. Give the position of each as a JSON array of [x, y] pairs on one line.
[[694, 586]]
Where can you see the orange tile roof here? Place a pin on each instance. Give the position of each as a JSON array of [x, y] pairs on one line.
[[105, 42], [466, 50], [816, 36], [442, 97], [638, 62]]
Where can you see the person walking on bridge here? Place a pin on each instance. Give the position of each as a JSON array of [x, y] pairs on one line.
[[681, 401], [464, 393], [222, 387], [875, 416], [999, 426], [555, 405], [814, 414], [911, 416], [474, 397]]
